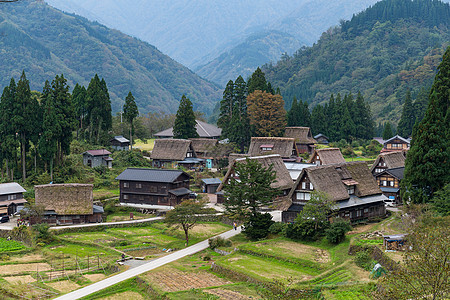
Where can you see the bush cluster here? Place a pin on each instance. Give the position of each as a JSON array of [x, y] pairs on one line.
[[337, 230], [218, 242], [257, 227]]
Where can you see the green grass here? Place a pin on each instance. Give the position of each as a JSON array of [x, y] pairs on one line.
[[359, 292], [264, 269], [368, 242], [144, 146], [130, 285], [337, 275]]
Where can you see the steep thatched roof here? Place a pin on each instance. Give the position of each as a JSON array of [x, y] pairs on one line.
[[66, 198], [328, 156], [170, 149], [283, 179], [334, 179], [203, 145], [280, 145], [302, 135], [392, 159]]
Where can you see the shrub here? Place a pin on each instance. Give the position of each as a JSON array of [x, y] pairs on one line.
[[206, 258], [364, 260], [218, 242], [258, 226], [43, 234], [277, 228], [303, 229], [337, 230]]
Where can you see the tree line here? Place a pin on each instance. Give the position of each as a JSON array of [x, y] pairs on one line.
[[42, 125]]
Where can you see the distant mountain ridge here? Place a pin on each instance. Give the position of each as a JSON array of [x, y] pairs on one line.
[[44, 42], [217, 38], [392, 46]]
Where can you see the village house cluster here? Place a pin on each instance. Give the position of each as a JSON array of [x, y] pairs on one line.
[[360, 192]]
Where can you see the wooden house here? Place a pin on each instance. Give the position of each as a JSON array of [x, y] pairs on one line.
[[97, 158], [120, 143], [285, 147], [389, 183], [326, 156], [153, 188], [168, 151], [67, 203], [396, 143], [350, 186], [283, 180], [11, 198], [388, 160], [303, 138], [322, 139], [204, 130]]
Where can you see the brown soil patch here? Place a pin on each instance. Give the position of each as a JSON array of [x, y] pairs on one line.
[[20, 268], [27, 258], [94, 277], [124, 296], [174, 280], [19, 279], [361, 229], [63, 286], [322, 256], [300, 250], [227, 294], [202, 228]]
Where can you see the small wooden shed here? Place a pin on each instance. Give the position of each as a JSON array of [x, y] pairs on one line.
[[210, 185]]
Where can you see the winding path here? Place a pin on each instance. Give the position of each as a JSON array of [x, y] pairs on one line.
[[143, 268]]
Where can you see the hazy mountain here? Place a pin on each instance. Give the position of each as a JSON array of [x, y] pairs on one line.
[[44, 42], [207, 35], [383, 51]]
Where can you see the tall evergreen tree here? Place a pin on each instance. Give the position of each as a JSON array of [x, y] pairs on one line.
[[387, 132], [98, 107], [407, 120], [240, 124], [293, 113], [22, 118], [130, 112], [184, 127], [428, 161], [257, 81], [79, 95], [226, 109], [362, 116], [421, 104], [318, 120], [304, 115]]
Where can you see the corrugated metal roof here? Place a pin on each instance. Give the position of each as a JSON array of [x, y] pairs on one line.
[[100, 152], [212, 180], [121, 139], [11, 188], [180, 191], [355, 201], [389, 190], [151, 175], [204, 130], [97, 209]]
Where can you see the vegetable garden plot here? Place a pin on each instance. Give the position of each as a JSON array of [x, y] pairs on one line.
[[9, 246]]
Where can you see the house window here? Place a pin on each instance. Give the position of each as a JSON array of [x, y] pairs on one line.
[[311, 186], [303, 196], [366, 210], [12, 197], [139, 185], [126, 184], [189, 154], [359, 213], [391, 183], [125, 197], [351, 190], [153, 189], [384, 183], [303, 185], [269, 149]]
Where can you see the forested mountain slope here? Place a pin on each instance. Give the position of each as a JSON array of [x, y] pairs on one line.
[[382, 51], [44, 42]]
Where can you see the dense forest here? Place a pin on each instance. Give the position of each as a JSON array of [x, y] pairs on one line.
[[382, 52], [44, 42]]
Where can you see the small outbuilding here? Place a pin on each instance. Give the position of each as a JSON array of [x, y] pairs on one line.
[[394, 242], [326, 156], [120, 143], [97, 158], [322, 139], [210, 185], [303, 138]]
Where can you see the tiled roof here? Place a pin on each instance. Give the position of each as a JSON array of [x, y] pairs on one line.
[[100, 152], [11, 188], [120, 139]]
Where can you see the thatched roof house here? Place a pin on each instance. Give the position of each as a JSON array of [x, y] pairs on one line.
[[326, 156], [285, 147], [67, 203], [171, 150], [203, 146], [388, 160], [283, 179], [204, 130], [350, 185], [303, 138]]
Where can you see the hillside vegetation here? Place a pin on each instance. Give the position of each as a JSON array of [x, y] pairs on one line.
[[44, 42], [383, 51]]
